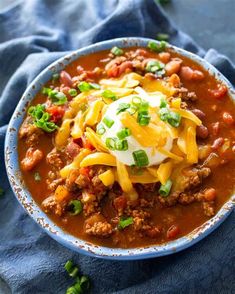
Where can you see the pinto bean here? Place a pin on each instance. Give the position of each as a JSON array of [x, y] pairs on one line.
[[209, 194], [173, 66], [228, 118], [217, 143], [164, 57], [172, 232], [66, 79], [199, 113], [202, 132], [141, 52], [218, 93], [198, 75], [32, 158], [215, 127]]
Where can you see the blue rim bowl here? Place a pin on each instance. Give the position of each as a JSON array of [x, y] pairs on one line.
[[33, 209]]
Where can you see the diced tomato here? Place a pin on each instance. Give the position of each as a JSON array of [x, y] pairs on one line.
[[120, 203], [172, 232], [85, 171], [56, 112], [87, 144], [219, 92]]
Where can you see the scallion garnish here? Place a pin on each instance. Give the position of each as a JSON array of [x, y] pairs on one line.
[[122, 107], [117, 51], [73, 92], [163, 103], [75, 207], [110, 143], [136, 101], [108, 94], [1, 192], [154, 65], [121, 145], [143, 118], [140, 158], [41, 118], [100, 129], [85, 86], [171, 117], [157, 47], [108, 121], [132, 110], [55, 76], [162, 37], [123, 133], [125, 222], [58, 98], [37, 177], [71, 269], [165, 189]]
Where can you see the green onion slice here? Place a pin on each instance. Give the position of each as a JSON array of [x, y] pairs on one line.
[[140, 158], [108, 121], [100, 129], [136, 101], [143, 118], [125, 222], [173, 118], [75, 207], [123, 133], [164, 190], [73, 92], [110, 143], [58, 98], [108, 94], [71, 269], [117, 51], [121, 145], [157, 47], [154, 66], [122, 107], [163, 103]]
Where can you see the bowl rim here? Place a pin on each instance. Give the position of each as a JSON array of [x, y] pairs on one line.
[[36, 213]]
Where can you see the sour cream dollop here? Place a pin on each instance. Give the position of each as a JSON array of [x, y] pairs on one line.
[[126, 156]]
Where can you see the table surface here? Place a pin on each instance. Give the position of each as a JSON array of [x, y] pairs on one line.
[[212, 26]]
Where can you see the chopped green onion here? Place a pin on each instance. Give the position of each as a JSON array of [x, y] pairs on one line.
[[58, 98], [95, 86], [122, 107], [76, 207], [123, 133], [1, 192], [136, 101], [162, 37], [144, 106], [108, 121], [174, 119], [165, 189], [125, 222], [55, 76], [132, 110], [143, 118], [41, 118], [71, 269], [100, 129], [110, 143], [85, 283], [157, 47], [164, 113], [117, 51], [163, 103], [37, 177], [140, 158], [154, 66], [108, 94], [73, 92], [121, 145]]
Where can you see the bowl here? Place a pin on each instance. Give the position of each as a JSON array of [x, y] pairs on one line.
[[33, 209]]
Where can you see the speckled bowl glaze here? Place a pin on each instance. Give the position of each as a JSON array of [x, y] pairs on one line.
[[33, 209]]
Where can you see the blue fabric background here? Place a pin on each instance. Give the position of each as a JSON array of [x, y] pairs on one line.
[[32, 35]]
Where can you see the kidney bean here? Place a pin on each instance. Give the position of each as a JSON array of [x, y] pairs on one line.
[[173, 66], [164, 57], [228, 118], [198, 75], [199, 113], [217, 143], [215, 127], [210, 194], [32, 158], [202, 132], [172, 232], [66, 79], [189, 74], [219, 92]]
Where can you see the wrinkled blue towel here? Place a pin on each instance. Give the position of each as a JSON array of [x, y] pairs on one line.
[[32, 35]]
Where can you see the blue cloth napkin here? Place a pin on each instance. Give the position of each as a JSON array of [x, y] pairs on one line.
[[32, 35]]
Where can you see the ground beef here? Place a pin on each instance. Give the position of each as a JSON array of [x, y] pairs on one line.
[[52, 185], [30, 132], [32, 158], [186, 95], [208, 208], [97, 225], [71, 182], [170, 200], [54, 158], [51, 206], [186, 198]]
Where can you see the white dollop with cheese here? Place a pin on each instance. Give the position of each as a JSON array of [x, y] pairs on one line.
[[126, 157]]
